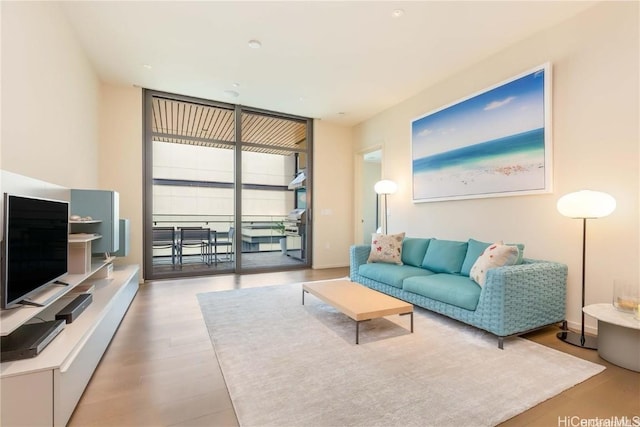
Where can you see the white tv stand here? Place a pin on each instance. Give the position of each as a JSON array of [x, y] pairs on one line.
[[44, 390]]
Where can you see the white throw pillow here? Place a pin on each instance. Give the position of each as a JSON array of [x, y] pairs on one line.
[[496, 255], [386, 248]]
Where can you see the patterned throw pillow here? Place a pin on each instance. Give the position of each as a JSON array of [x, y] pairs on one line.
[[386, 248], [496, 255]]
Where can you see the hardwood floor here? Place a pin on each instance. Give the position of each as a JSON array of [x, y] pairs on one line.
[[161, 370]]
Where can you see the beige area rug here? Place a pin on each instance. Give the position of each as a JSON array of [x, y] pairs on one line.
[[286, 364]]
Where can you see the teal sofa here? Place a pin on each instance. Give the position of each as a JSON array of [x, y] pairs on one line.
[[435, 275]]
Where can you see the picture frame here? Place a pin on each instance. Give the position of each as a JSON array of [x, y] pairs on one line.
[[494, 143]]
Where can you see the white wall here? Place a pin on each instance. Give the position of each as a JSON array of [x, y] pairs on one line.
[[595, 64], [50, 98]]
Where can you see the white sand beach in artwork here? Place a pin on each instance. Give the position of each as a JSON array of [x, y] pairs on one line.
[[498, 175]]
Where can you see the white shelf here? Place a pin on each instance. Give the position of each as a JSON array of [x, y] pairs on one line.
[[72, 336], [44, 390], [12, 319], [83, 237], [93, 221]]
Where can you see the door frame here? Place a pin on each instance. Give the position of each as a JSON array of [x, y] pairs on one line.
[[147, 177], [358, 185]]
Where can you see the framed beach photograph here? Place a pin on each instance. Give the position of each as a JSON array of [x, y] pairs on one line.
[[494, 143]]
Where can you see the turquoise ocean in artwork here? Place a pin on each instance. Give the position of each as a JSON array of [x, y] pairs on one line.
[[530, 142]]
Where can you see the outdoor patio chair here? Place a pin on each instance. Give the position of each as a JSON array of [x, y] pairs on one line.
[[195, 237], [165, 238], [226, 243]]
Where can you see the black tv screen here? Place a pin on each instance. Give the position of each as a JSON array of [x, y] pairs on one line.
[[35, 244]]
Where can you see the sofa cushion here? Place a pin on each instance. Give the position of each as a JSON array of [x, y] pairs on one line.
[[496, 255], [386, 248], [445, 256], [474, 250], [391, 274], [447, 288], [413, 251]]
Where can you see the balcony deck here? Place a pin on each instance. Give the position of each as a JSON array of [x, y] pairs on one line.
[[251, 260]]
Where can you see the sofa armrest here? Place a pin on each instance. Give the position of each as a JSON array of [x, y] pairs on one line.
[[528, 296], [358, 255]]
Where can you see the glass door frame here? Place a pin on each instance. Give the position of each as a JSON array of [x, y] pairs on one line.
[[238, 179], [238, 267]]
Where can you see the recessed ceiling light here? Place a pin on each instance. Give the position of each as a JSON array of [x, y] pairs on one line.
[[236, 84], [231, 93], [397, 13], [147, 66], [255, 44], [341, 113]]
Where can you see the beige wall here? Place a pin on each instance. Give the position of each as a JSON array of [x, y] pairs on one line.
[[120, 157], [50, 98], [121, 147], [333, 195], [596, 139]]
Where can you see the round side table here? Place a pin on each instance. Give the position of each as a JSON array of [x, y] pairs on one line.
[[618, 335]]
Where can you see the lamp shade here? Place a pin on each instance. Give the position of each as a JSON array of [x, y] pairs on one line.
[[586, 204], [385, 187]]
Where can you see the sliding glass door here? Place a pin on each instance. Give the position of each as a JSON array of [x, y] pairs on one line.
[[226, 188], [274, 197]]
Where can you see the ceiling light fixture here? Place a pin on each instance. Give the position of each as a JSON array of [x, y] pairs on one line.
[[255, 44], [147, 66], [397, 13], [231, 93]]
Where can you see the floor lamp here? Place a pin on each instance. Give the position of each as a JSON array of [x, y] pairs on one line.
[[585, 204], [385, 187]]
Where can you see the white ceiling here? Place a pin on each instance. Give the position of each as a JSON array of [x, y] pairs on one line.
[[338, 61]]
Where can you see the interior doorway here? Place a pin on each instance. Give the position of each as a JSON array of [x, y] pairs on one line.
[[370, 172]]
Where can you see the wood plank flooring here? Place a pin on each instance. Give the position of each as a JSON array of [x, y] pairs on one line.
[[161, 370]]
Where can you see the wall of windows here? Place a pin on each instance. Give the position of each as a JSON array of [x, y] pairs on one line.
[[225, 172]]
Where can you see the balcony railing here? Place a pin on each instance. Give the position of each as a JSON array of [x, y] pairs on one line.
[[259, 233]]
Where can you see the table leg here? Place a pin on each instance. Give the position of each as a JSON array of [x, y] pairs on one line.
[[410, 314], [358, 329], [303, 292]]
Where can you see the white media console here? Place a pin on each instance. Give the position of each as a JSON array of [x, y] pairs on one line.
[[45, 390]]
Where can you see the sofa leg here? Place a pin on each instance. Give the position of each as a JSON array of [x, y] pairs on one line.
[[501, 343]]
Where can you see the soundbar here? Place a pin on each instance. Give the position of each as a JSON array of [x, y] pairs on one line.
[[29, 340], [72, 310]]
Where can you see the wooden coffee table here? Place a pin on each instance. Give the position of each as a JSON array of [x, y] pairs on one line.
[[357, 301]]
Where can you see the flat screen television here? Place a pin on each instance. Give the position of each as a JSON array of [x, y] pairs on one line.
[[35, 246]]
